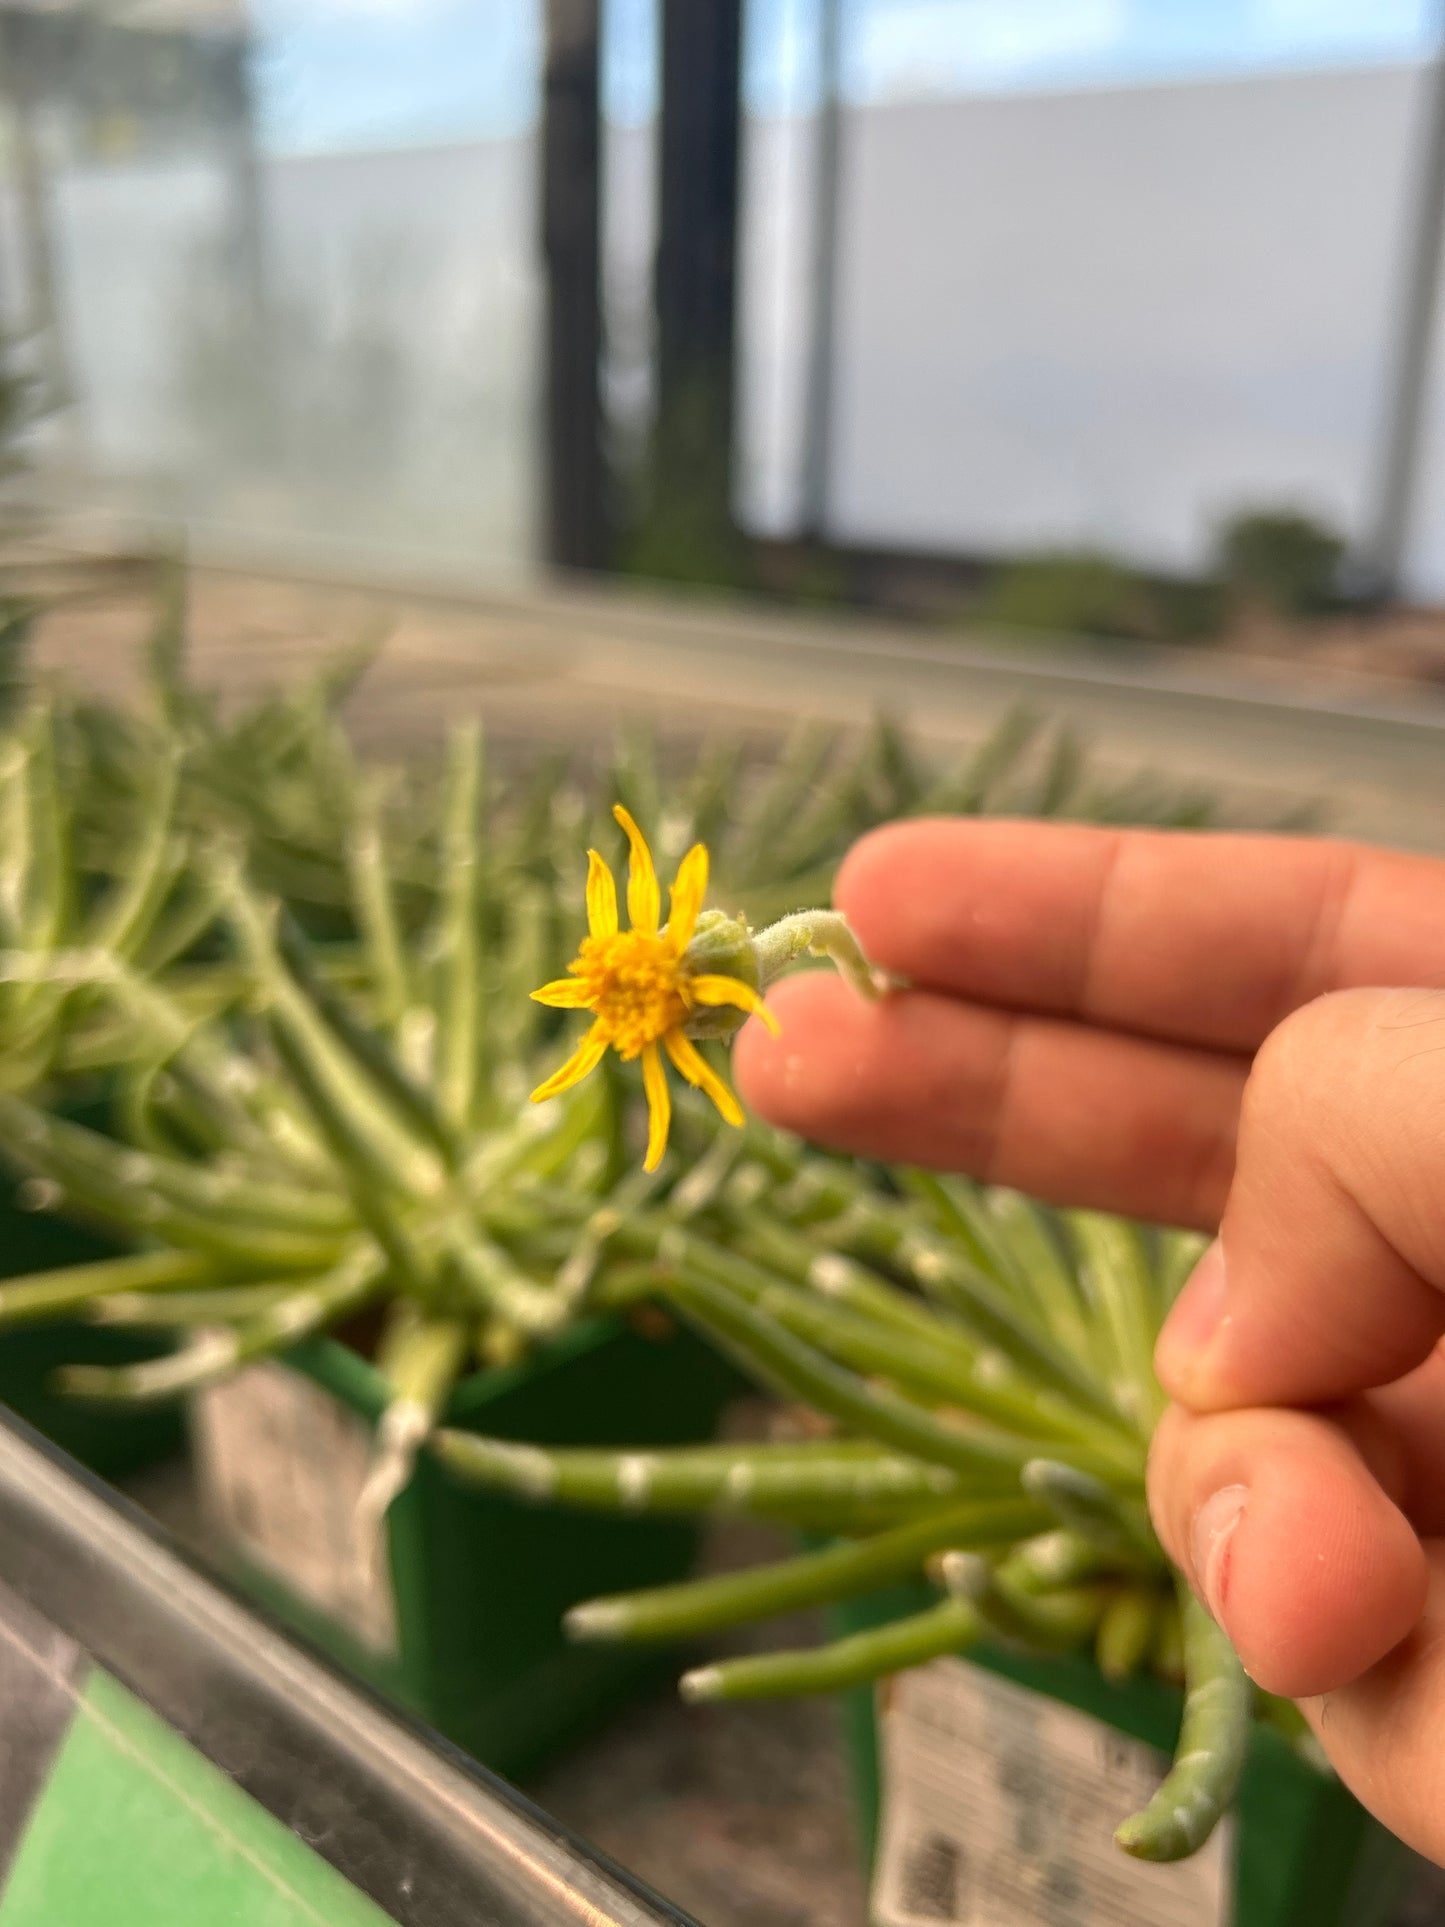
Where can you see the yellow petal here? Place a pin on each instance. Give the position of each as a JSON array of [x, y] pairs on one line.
[[696, 1069], [644, 899], [731, 990], [688, 891], [563, 993], [587, 1056], [659, 1106], [601, 898]]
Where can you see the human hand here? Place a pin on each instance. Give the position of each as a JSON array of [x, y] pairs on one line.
[[1184, 1028]]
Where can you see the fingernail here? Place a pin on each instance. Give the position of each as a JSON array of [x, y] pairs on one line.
[[1195, 1316], [1209, 1544]]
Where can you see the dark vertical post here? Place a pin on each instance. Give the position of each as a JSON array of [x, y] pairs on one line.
[[696, 281], [818, 416], [576, 531], [1408, 376]]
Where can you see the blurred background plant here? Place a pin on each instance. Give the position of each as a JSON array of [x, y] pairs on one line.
[[1096, 596], [1280, 564], [1283, 561]]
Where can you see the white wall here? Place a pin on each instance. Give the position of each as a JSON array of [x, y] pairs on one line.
[[1102, 317], [1106, 316]]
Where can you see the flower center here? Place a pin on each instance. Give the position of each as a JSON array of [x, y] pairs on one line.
[[635, 986]]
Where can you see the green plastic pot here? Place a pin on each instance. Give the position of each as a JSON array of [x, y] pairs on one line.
[[1306, 1854], [480, 1582]]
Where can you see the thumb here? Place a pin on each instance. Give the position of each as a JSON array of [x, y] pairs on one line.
[[1326, 1277]]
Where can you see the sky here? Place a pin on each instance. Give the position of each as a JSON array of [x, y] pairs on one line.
[[359, 73]]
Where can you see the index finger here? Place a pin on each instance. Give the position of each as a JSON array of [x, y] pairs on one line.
[[1203, 939]]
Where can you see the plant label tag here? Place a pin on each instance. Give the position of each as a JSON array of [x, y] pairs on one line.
[[999, 1808], [281, 1465]]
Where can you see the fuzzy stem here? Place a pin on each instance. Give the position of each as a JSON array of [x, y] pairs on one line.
[[366, 1178], [1040, 1261], [1057, 1558], [360, 1055], [16, 835], [826, 934]]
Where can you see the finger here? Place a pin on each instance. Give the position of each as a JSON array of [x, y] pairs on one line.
[[1382, 1730], [1324, 1280], [1061, 1111], [1288, 1538], [1410, 1416], [1205, 939]]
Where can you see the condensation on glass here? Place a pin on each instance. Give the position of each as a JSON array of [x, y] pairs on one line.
[[306, 336]]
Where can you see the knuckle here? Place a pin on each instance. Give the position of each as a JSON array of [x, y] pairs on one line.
[[1350, 1081], [1303, 1060]]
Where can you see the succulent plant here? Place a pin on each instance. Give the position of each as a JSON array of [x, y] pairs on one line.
[[310, 985], [317, 1149], [982, 1368], [62, 924]]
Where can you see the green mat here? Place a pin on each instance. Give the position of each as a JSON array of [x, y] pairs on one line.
[[108, 1818]]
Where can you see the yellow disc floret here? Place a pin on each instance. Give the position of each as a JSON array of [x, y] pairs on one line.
[[635, 984], [639, 987]]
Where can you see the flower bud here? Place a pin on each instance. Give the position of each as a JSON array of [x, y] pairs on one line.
[[727, 946], [721, 946]]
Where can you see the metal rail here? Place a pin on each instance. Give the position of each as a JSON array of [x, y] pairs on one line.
[[434, 1840]]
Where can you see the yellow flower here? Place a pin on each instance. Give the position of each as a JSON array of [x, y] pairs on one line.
[[639, 987]]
